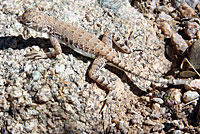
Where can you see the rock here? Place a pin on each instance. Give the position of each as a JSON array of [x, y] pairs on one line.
[[30, 125], [158, 100], [198, 7], [44, 94], [60, 68], [194, 54], [191, 3], [163, 17], [165, 28], [36, 75], [191, 29], [173, 97], [137, 119], [178, 132], [187, 11], [193, 85], [178, 43], [17, 93], [158, 127], [190, 95]]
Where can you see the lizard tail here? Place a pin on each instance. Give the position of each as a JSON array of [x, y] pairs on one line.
[[128, 66]]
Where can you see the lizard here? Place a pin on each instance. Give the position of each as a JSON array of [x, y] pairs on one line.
[[87, 45]]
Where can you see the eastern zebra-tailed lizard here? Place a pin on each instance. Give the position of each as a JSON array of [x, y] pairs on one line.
[[88, 45]]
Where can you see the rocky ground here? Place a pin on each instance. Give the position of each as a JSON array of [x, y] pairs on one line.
[[57, 96]]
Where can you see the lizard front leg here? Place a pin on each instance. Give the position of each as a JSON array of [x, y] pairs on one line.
[[55, 43]]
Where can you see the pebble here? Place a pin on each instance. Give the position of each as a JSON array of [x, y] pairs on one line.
[[163, 17], [158, 127], [16, 93], [198, 7], [187, 11], [27, 67], [165, 28], [44, 94], [178, 124], [36, 75], [149, 122], [156, 107], [178, 43], [137, 119], [194, 54], [60, 68], [191, 29], [158, 100], [191, 3], [68, 108], [2, 81], [193, 85], [190, 95], [163, 110], [30, 125], [173, 97], [177, 132]]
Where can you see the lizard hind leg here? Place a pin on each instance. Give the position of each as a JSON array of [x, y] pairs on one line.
[[96, 73], [103, 78]]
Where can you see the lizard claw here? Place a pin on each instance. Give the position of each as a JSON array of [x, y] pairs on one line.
[[35, 55]]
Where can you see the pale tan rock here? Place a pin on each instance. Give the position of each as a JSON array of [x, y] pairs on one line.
[[178, 43], [187, 11]]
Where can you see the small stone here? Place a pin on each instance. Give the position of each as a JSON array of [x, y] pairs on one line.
[[27, 67], [190, 95], [137, 119], [60, 68], [36, 75], [158, 127], [194, 54], [178, 43], [163, 17], [177, 132], [173, 97], [123, 127], [165, 28], [30, 125], [17, 93], [32, 112], [156, 107], [68, 108], [193, 85], [198, 34], [198, 7], [163, 110], [191, 3], [2, 81], [44, 94], [158, 100], [149, 122], [191, 29], [187, 11]]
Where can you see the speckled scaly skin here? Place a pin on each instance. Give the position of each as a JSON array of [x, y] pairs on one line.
[[88, 45]]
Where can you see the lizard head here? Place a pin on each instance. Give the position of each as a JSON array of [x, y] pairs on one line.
[[34, 19], [28, 18]]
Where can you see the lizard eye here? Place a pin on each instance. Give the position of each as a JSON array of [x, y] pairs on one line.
[[28, 22]]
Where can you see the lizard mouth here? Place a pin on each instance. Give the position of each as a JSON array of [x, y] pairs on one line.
[[22, 21], [19, 19]]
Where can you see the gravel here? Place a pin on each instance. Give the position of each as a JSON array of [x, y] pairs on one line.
[[56, 95]]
